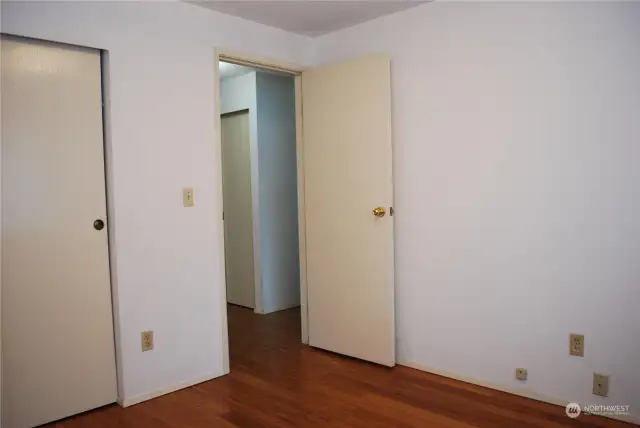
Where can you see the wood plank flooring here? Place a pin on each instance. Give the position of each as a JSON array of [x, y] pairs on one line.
[[275, 381]]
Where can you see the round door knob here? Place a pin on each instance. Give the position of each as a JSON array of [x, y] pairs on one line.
[[98, 224], [379, 211]]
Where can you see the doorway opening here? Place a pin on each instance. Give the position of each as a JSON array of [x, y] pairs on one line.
[[260, 199], [344, 182]]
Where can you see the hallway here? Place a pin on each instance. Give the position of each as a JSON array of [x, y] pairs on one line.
[[276, 381]]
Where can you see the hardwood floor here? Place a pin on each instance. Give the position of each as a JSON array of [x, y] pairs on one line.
[[275, 381]]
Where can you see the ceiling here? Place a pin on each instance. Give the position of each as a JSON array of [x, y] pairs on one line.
[[232, 70], [309, 18]]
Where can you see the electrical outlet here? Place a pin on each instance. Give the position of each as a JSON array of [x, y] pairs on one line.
[[147, 340], [521, 374], [576, 345], [600, 384]]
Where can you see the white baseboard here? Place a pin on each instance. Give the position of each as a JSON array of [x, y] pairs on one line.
[[291, 306], [522, 392], [157, 393]]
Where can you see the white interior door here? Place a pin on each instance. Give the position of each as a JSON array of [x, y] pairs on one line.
[[348, 173], [57, 325], [238, 209]]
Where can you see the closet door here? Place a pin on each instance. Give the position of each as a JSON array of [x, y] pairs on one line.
[[57, 323]]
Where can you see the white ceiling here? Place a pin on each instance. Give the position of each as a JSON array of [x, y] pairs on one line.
[[309, 18], [232, 70]]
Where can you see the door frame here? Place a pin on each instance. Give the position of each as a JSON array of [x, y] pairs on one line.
[[295, 70]]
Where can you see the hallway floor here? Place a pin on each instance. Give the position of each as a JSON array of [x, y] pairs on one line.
[[276, 381]]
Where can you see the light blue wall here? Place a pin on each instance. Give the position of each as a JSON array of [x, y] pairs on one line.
[[278, 192]]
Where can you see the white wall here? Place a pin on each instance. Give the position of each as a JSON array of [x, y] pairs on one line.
[[271, 102], [277, 168], [516, 154], [238, 93], [161, 78]]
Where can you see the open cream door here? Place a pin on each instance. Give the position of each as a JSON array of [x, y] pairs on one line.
[[348, 174]]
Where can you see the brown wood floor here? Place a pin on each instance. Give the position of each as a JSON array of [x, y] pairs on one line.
[[275, 381]]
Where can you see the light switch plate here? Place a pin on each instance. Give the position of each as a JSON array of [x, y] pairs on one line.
[[187, 196]]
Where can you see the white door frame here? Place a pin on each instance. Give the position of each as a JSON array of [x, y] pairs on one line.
[[296, 71]]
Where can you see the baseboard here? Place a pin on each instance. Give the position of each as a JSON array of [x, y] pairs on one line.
[[522, 392], [291, 306], [157, 393]]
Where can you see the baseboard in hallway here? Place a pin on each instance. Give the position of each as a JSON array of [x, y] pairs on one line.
[[284, 308]]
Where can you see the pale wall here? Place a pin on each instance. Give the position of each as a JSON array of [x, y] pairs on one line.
[[517, 167]]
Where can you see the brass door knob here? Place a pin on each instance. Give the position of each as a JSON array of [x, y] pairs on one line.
[[379, 212]]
